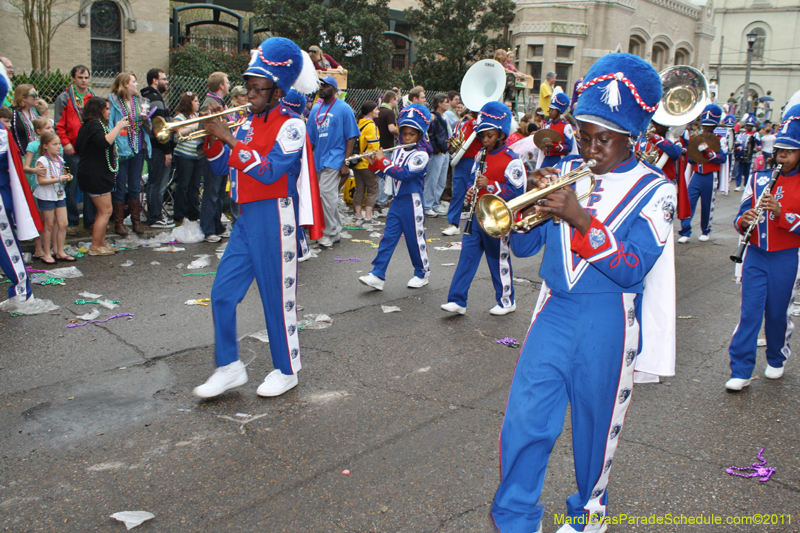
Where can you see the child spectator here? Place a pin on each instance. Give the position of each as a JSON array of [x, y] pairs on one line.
[[6, 116], [51, 197], [40, 125], [366, 180]]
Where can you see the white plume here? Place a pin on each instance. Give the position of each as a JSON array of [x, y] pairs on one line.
[[793, 101], [307, 82]]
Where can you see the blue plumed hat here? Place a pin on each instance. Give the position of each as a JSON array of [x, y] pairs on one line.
[[711, 115], [729, 121], [494, 115], [295, 100], [415, 116], [789, 132], [620, 92], [751, 120], [283, 63], [559, 102]]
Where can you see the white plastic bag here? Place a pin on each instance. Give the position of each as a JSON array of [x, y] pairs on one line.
[[91, 315], [131, 519], [65, 273], [202, 261], [131, 241], [188, 232], [31, 306]]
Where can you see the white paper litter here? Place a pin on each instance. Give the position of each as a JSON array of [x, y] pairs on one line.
[[89, 295], [27, 257], [108, 304], [189, 232], [221, 250], [390, 308], [127, 263], [154, 263], [375, 235], [448, 264], [321, 321], [262, 335], [65, 273], [31, 306], [169, 248], [158, 240], [345, 235], [202, 261], [520, 280], [91, 315], [131, 519], [179, 265]]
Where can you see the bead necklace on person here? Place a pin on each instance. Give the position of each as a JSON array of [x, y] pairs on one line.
[[27, 120], [135, 122], [111, 149], [77, 103], [325, 116], [56, 167]]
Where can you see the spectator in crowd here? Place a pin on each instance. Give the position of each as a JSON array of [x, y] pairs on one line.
[[522, 130], [768, 145], [387, 130], [99, 163], [133, 147], [10, 70], [574, 99], [546, 91], [713, 98], [451, 115], [159, 163], [439, 162], [24, 107], [188, 167], [766, 104], [366, 180], [239, 98], [41, 125], [6, 116], [332, 130], [417, 95], [732, 104], [213, 186], [507, 60], [50, 197], [68, 116], [321, 60]]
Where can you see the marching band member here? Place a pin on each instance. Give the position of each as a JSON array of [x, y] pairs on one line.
[[770, 266], [726, 130], [655, 140], [462, 175], [406, 215], [270, 165], [553, 153], [503, 175], [748, 142], [19, 218], [594, 267], [704, 176], [296, 101]]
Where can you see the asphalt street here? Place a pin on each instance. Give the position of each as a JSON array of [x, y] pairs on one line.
[[100, 418]]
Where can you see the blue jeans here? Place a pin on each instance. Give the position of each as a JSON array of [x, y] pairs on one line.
[[743, 173], [189, 174], [157, 169], [435, 180], [383, 196], [129, 179], [211, 207], [71, 188]]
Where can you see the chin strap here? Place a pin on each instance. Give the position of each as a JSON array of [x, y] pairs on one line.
[[269, 101]]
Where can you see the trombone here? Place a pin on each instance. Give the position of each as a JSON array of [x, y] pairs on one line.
[[162, 129]]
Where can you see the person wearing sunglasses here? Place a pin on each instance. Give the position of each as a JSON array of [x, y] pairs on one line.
[[24, 106]]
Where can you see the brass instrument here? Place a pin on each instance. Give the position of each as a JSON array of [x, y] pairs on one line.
[[695, 153], [496, 216], [685, 95], [541, 135], [474, 202], [455, 143], [739, 253], [356, 157], [162, 129]]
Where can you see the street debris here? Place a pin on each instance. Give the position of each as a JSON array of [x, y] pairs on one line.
[[321, 321], [759, 469], [131, 519], [202, 261], [390, 308], [199, 301], [262, 335], [508, 341], [99, 321]]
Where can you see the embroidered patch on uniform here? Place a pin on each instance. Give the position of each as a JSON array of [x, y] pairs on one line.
[[291, 329], [597, 238], [420, 233], [504, 256], [418, 161], [425, 261], [288, 306], [490, 188], [762, 180], [284, 202], [631, 316], [516, 173], [15, 259], [506, 302], [3, 226], [608, 465], [630, 355], [288, 229], [624, 394], [615, 431], [422, 247], [288, 282], [417, 203], [418, 218], [669, 211], [293, 132], [506, 288], [245, 156], [790, 218], [295, 352], [9, 242], [504, 271], [288, 256], [597, 493]]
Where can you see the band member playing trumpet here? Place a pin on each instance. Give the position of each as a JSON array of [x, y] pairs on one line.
[[655, 142], [462, 174], [503, 175], [770, 262], [705, 176], [553, 153], [587, 326], [269, 163]]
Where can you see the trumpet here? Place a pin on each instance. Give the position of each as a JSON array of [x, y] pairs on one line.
[[497, 217], [162, 129], [356, 157]]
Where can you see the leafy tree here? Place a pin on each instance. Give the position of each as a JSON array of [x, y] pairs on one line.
[[41, 19], [350, 31], [453, 34]]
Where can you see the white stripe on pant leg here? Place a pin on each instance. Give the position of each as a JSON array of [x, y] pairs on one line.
[[289, 279], [630, 347], [711, 206], [786, 350], [13, 253], [419, 229], [504, 267]]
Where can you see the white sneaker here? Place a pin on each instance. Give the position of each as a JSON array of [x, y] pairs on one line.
[[276, 383], [225, 234], [566, 528], [416, 283], [703, 238], [305, 258], [773, 373], [453, 307], [224, 219], [500, 311], [683, 240], [359, 222], [431, 213], [371, 280], [739, 189], [327, 241], [442, 210], [213, 238], [737, 383], [451, 230], [224, 378]]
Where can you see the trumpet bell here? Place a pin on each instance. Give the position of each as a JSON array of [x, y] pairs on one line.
[[494, 215], [484, 82], [685, 95]]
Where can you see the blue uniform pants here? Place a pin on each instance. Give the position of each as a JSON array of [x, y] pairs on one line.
[[580, 351], [497, 258], [263, 245], [462, 180], [405, 217], [743, 172], [768, 289], [12, 262], [701, 186]]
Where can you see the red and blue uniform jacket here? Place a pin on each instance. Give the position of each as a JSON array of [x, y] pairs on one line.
[[564, 148], [741, 144], [773, 233], [467, 127], [505, 172], [406, 169], [716, 159]]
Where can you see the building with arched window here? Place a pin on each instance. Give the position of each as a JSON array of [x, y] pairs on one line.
[[568, 37], [106, 35], [776, 56]]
